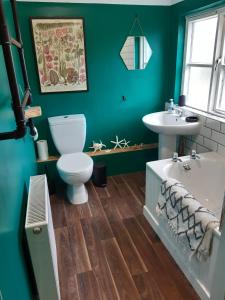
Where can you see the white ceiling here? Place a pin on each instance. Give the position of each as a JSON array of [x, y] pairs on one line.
[[124, 2]]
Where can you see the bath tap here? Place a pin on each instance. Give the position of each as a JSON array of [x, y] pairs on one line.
[[175, 157], [194, 155]]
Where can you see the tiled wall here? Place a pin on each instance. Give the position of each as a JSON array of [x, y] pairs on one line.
[[210, 138]]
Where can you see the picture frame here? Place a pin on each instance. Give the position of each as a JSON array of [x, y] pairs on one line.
[[60, 51]]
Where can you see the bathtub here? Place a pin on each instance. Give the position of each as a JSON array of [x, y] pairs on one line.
[[206, 181]]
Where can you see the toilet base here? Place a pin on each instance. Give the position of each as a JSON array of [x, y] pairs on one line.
[[77, 194]]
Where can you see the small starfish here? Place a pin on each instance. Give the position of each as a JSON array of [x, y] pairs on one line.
[[125, 143], [102, 145], [97, 146], [117, 142]]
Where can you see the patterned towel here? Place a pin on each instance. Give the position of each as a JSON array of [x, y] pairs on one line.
[[191, 223]]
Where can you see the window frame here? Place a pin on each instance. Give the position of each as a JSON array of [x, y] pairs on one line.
[[217, 65], [219, 51]]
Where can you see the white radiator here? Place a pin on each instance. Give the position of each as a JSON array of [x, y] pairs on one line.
[[41, 239]]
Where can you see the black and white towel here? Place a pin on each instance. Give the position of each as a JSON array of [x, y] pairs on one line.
[[191, 223]]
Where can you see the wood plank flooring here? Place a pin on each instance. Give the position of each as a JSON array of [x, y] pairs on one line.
[[108, 251]]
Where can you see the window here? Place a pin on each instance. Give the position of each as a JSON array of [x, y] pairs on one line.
[[203, 80]]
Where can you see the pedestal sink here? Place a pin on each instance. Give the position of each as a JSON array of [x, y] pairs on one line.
[[169, 126]]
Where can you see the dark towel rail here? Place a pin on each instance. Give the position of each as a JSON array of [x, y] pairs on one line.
[[6, 42]]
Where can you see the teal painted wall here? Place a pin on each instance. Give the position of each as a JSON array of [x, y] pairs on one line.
[[178, 14], [106, 27], [146, 91], [16, 165]]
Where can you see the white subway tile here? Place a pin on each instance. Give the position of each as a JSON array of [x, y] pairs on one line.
[[221, 150], [198, 139], [201, 149], [223, 127], [213, 124], [218, 137], [205, 131], [210, 144]]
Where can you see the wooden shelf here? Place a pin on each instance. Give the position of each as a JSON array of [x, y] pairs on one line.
[[123, 150], [50, 158], [110, 151], [33, 112]]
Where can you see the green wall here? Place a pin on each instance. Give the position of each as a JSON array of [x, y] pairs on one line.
[[146, 91], [106, 27], [16, 165]]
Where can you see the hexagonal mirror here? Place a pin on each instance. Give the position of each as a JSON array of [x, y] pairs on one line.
[[136, 52]]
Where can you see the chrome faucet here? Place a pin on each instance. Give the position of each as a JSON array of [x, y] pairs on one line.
[[194, 155], [175, 157], [179, 111]]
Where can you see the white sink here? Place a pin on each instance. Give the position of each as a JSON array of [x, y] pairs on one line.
[[168, 126]]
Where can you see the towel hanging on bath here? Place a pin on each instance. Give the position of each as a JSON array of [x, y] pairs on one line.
[[191, 223]]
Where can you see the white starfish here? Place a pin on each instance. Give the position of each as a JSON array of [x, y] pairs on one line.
[[125, 143], [117, 142], [97, 146]]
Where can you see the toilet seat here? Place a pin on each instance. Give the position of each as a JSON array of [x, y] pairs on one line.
[[74, 163]]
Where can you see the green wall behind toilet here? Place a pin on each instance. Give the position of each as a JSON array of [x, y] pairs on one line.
[[17, 163], [106, 28]]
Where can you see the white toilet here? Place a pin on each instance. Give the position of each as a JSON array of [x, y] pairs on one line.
[[74, 167]]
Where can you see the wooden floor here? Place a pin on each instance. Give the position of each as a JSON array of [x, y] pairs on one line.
[[107, 250]]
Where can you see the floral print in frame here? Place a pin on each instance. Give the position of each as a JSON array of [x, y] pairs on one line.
[[60, 53]]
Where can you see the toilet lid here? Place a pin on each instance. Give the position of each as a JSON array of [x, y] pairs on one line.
[[74, 162]]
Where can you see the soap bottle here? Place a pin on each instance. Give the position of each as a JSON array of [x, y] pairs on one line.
[[170, 106]]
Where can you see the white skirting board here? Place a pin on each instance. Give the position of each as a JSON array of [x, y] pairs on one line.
[[41, 239]]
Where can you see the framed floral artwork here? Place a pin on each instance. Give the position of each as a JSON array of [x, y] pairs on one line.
[[60, 54]]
